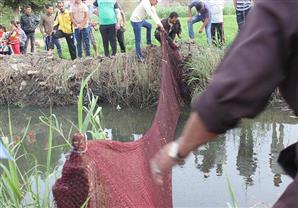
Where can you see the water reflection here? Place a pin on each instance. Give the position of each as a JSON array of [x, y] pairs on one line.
[[247, 155], [213, 155], [246, 161], [276, 146]]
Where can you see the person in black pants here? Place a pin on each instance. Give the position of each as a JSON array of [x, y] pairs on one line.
[[108, 26], [29, 22], [63, 29]]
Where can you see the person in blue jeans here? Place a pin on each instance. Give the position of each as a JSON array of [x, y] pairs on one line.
[[204, 15], [138, 21], [79, 17]]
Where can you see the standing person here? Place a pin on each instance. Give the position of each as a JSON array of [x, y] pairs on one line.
[[91, 27], [13, 38], [138, 21], [241, 88], [121, 31], [172, 26], [108, 12], [63, 29], [46, 29], [204, 15], [242, 9], [217, 34], [29, 22], [23, 37], [79, 17]]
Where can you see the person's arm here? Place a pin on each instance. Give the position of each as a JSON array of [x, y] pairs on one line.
[[85, 20], [118, 15], [41, 26], [242, 83], [150, 10], [123, 19], [75, 24], [204, 25], [235, 3], [189, 12], [22, 22], [36, 20]]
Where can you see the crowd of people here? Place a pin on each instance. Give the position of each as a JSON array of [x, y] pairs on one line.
[[78, 27]]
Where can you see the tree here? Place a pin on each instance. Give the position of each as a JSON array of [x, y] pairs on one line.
[[36, 5]]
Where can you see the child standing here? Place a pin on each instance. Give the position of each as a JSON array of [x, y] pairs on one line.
[[14, 38]]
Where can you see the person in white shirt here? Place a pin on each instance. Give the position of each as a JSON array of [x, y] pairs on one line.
[[216, 9], [138, 21], [79, 18]]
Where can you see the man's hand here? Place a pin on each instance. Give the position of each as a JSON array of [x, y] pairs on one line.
[[124, 28], [201, 30], [189, 19], [161, 164], [160, 26], [117, 26]]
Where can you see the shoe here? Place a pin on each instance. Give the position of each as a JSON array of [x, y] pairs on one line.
[[191, 41], [151, 45], [141, 59]]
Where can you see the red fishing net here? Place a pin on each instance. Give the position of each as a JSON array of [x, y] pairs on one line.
[[115, 174]]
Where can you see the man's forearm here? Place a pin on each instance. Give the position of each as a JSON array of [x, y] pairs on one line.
[[72, 19], [205, 23], [189, 13], [194, 134]]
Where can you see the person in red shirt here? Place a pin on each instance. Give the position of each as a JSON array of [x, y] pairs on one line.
[[2, 31], [14, 38]]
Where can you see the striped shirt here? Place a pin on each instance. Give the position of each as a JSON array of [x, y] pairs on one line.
[[243, 5]]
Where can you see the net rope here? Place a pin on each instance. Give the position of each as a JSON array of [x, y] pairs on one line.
[[117, 174]]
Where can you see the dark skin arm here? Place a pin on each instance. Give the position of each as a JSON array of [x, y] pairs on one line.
[[194, 134]]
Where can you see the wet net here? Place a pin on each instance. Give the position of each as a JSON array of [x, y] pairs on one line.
[[117, 174]]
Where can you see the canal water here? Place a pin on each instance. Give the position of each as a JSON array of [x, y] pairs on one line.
[[246, 156]]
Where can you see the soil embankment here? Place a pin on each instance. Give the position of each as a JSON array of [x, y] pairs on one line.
[[36, 79]]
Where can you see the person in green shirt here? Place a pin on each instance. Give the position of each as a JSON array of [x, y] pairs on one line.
[[108, 13]]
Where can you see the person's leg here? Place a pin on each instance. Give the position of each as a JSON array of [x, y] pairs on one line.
[[92, 39], [26, 43], [46, 43], [78, 36], [137, 32], [32, 41], [148, 27], [112, 38], [240, 17], [194, 20], [120, 37], [16, 48], [220, 34], [58, 46], [71, 45], [105, 39], [86, 40], [208, 32], [245, 13], [213, 26]]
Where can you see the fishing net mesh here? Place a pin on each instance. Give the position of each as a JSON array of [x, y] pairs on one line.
[[117, 174]]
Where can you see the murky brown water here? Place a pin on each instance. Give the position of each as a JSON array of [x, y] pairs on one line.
[[246, 155]]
